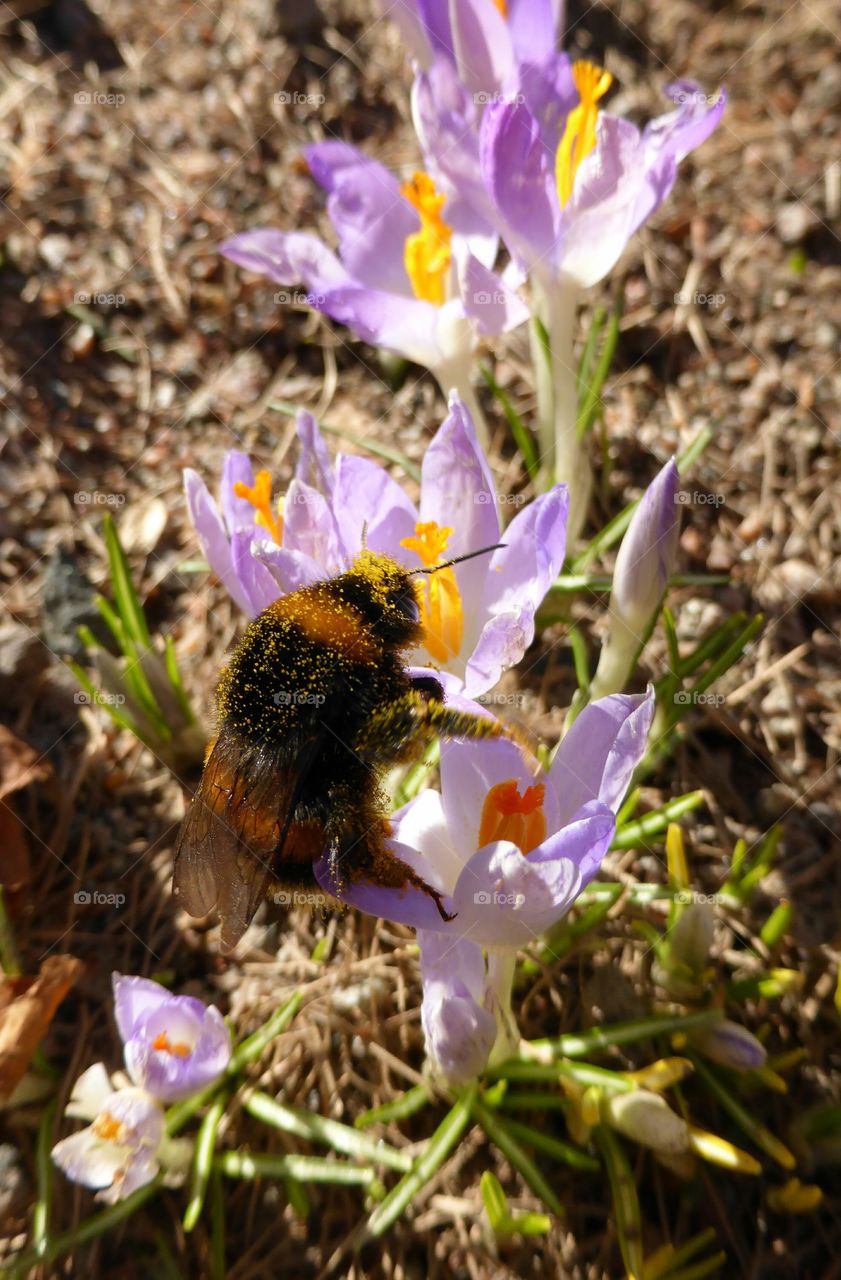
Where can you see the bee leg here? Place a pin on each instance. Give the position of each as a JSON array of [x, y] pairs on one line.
[[364, 855], [398, 730], [429, 688]]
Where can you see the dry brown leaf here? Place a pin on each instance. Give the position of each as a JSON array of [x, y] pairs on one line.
[[14, 852], [27, 1007], [20, 764]]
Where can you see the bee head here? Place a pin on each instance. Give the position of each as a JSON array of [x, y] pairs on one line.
[[386, 596]]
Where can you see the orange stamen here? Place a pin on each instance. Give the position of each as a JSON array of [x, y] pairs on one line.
[[507, 815], [442, 614], [163, 1044], [579, 138], [260, 496], [427, 254]]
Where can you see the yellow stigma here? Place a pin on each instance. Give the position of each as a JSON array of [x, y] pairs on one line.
[[427, 254], [440, 601], [507, 815], [164, 1045], [502, 6], [260, 496], [579, 138], [108, 1128]]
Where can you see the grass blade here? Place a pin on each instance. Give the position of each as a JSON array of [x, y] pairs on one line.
[[203, 1162], [443, 1141], [499, 1132], [316, 1128]]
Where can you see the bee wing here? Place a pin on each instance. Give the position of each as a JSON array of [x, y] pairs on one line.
[[229, 839]]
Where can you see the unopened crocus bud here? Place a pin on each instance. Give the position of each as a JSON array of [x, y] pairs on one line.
[[645, 562], [648, 1119], [730, 1045], [682, 965], [690, 940]]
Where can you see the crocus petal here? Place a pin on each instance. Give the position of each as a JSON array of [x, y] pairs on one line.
[[534, 547], [469, 769], [408, 905], [407, 326], [482, 45], [287, 257], [457, 491], [367, 498], [238, 512], [314, 464], [290, 570], [371, 218], [599, 754], [489, 303], [89, 1093], [459, 1030], [679, 132], [517, 579], [213, 537], [533, 25], [256, 581], [548, 90], [602, 211], [502, 642], [446, 119], [142, 1169], [87, 1160], [135, 999], [421, 825], [504, 899], [516, 170], [309, 526]]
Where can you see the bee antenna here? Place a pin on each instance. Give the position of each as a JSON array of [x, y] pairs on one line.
[[471, 555]]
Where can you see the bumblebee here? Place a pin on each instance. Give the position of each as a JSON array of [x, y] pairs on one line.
[[312, 709]]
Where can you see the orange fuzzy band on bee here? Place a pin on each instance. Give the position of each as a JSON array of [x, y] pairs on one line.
[[323, 621]]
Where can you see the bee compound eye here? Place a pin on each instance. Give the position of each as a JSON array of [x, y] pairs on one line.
[[408, 606]]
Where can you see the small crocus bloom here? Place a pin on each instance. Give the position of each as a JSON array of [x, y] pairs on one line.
[[260, 546], [645, 562], [407, 278], [119, 1151], [173, 1045], [509, 849]]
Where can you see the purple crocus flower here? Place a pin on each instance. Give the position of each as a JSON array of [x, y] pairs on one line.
[[411, 275], [568, 184], [644, 564], [509, 849], [479, 616], [173, 1045], [119, 1151], [256, 550]]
